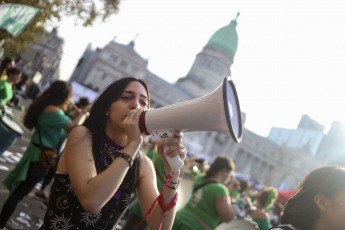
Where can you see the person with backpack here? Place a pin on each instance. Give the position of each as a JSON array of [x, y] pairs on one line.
[[210, 203]]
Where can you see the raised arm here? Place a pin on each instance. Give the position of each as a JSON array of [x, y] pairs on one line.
[[92, 190], [147, 189]]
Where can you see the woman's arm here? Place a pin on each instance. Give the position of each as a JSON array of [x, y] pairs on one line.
[[55, 109], [225, 210], [92, 190], [147, 192], [79, 118], [147, 189]]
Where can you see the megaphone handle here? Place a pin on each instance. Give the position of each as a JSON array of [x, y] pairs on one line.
[[175, 162]]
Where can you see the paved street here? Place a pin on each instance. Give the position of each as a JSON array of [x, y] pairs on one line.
[[29, 211]]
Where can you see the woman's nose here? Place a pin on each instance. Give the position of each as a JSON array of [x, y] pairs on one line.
[[135, 104]]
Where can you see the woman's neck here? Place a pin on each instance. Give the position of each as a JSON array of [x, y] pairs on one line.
[[118, 138], [217, 178], [320, 225]]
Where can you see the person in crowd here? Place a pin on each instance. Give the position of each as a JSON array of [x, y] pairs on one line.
[[45, 113], [6, 92], [19, 89], [48, 177], [259, 212], [319, 202], [32, 90], [242, 188], [199, 167], [210, 203], [275, 213], [6, 64], [22, 84], [82, 106], [100, 166]]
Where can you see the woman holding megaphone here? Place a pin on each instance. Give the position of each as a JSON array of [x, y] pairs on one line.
[[101, 167]]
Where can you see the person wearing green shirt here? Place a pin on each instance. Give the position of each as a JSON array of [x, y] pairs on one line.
[[6, 63], [6, 93], [259, 211], [46, 112], [210, 203]]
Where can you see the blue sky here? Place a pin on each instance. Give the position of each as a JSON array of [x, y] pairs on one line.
[[290, 60]]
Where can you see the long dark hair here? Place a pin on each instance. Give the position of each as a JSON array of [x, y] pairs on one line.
[[221, 162], [266, 197], [97, 119], [56, 94], [4, 64], [301, 210]]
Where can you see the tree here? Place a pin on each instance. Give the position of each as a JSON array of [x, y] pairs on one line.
[[86, 12]]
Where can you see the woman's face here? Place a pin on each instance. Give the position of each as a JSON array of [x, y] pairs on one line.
[[134, 96], [10, 65], [335, 214], [66, 102]]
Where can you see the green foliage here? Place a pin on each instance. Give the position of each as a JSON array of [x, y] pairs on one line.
[[86, 12]]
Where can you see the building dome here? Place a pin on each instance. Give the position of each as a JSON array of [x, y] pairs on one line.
[[225, 39]]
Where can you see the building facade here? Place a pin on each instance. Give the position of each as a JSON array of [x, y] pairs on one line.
[[41, 61], [255, 156]]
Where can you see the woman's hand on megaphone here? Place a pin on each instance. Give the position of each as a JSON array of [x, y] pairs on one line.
[[174, 147], [131, 126]]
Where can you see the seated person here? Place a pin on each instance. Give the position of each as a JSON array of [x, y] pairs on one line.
[[259, 211]]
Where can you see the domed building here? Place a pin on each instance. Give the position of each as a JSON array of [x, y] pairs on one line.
[[255, 156], [213, 63]]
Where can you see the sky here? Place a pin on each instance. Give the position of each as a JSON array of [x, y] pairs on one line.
[[290, 59]]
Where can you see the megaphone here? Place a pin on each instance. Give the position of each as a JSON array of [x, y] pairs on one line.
[[218, 111]]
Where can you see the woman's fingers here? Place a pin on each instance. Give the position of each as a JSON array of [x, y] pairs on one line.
[[176, 147], [131, 125], [133, 116]]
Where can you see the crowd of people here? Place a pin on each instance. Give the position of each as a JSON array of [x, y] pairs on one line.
[[108, 174]]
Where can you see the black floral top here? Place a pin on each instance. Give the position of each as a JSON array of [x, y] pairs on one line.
[[65, 212]]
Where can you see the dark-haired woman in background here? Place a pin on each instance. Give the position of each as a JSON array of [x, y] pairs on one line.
[[47, 113], [319, 202], [210, 203]]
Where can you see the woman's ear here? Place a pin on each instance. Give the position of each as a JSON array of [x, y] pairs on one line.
[[107, 113], [321, 202]]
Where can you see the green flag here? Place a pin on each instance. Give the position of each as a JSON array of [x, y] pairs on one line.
[[15, 17]]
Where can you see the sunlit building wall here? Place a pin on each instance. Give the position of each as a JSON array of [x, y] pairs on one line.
[[255, 156]]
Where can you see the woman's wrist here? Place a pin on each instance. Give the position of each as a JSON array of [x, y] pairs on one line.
[[85, 113], [131, 149], [175, 179]]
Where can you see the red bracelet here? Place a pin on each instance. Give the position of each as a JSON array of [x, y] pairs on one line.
[[160, 202]]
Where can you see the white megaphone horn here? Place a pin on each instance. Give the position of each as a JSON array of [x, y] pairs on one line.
[[218, 111]]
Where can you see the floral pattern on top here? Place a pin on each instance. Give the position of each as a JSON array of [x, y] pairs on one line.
[[65, 211]]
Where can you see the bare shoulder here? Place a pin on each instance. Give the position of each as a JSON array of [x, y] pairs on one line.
[[146, 165], [77, 149], [79, 136], [51, 109], [145, 162], [80, 131]]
